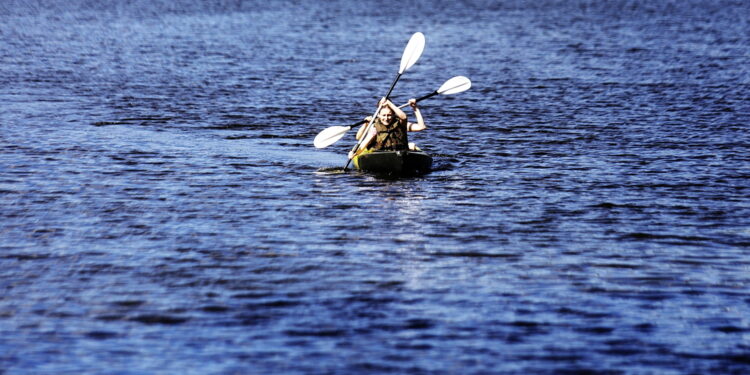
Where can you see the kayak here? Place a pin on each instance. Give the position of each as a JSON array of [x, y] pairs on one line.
[[404, 163]]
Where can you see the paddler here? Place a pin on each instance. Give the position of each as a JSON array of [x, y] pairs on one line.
[[390, 127]]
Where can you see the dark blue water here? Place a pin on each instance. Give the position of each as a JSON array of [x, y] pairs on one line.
[[163, 210]]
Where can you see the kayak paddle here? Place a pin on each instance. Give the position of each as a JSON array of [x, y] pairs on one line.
[[412, 52], [332, 134]]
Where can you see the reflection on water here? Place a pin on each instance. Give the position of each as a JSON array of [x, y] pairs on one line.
[[163, 209]]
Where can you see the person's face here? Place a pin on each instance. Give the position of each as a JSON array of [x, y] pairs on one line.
[[385, 116]]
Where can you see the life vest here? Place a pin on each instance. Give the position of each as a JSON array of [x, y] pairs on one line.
[[391, 137]]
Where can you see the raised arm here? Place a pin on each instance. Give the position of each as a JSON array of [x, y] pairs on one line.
[[368, 138], [361, 130], [401, 115], [420, 125]]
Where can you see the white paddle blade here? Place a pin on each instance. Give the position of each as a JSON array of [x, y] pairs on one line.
[[454, 86], [412, 52], [330, 136]]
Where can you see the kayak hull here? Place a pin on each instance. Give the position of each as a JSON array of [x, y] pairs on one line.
[[403, 163]]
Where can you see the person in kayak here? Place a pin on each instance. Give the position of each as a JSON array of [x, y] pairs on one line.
[[390, 128]]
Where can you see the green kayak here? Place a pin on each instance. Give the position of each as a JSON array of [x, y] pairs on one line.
[[404, 163]]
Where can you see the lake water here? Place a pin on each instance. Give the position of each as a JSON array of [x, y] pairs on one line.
[[163, 210]]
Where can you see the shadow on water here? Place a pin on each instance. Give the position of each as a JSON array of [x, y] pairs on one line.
[[381, 176]]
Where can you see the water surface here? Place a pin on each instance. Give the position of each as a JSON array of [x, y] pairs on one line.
[[164, 211]]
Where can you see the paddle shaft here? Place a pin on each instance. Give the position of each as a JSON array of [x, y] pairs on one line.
[[390, 90], [332, 134], [401, 106], [411, 54], [372, 121], [424, 97]]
